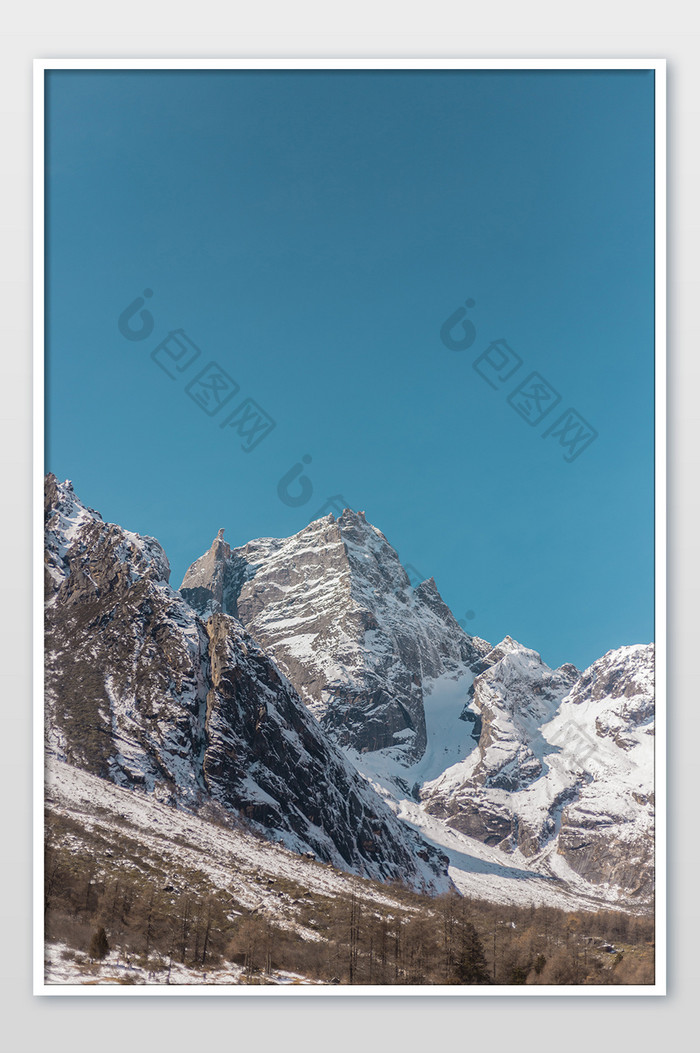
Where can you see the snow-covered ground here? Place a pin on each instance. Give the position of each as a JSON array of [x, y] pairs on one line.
[[62, 965], [176, 847], [233, 860]]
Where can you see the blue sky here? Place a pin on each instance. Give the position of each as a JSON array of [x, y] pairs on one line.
[[310, 233]]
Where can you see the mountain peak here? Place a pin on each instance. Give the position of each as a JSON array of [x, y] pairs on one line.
[[335, 609], [73, 530], [348, 514], [204, 583]]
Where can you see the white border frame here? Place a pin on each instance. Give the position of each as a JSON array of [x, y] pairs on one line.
[[660, 771]]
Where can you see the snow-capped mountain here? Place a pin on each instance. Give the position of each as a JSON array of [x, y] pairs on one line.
[[305, 685], [335, 609], [563, 769], [142, 692], [550, 768]]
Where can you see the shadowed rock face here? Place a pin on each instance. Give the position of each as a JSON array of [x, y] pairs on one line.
[[141, 691], [335, 608], [267, 758]]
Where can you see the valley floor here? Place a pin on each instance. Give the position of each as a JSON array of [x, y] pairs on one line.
[[181, 899]]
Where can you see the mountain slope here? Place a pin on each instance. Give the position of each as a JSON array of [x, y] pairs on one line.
[[510, 700], [125, 680], [140, 691], [267, 758], [605, 729], [563, 770]]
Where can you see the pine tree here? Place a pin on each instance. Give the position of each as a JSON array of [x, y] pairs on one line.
[[471, 964], [99, 947]]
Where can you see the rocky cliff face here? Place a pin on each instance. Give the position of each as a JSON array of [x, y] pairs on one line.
[[267, 758], [335, 608], [514, 696], [141, 691], [126, 659], [511, 698]]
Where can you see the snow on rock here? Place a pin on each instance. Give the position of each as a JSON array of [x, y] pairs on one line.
[[430, 795], [604, 733], [125, 657], [510, 700], [289, 778], [335, 609], [563, 770]]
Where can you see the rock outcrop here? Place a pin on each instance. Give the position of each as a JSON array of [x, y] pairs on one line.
[[267, 759]]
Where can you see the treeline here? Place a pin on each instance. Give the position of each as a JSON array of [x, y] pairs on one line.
[[347, 939], [138, 916]]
